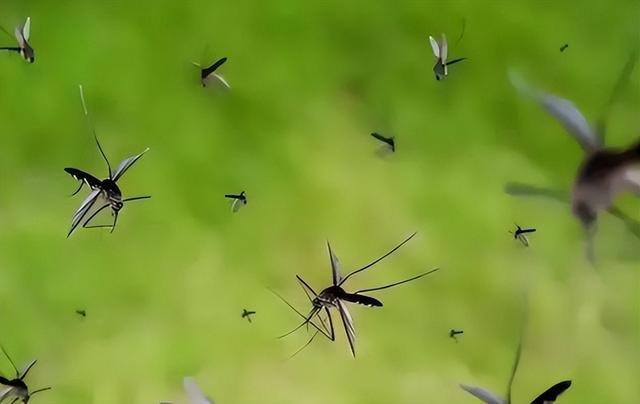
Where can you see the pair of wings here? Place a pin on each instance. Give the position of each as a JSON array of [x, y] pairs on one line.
[[194, 393], [547, 397], [440, 49], [23, 33]]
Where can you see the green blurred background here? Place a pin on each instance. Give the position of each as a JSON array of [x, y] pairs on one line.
[[309, 82]]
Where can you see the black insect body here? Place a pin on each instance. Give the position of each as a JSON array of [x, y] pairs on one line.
[[239, 200], [247, 314], [208, 74], [17, 387], [521, 235]]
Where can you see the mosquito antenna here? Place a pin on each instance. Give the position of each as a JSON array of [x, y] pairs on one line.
[[376, 261], [397, 283], [10, 360], [464, 25], [93, 129], [40, 390], [28, 369]]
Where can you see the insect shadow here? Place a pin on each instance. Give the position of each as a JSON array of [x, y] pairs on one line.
[[17, 387], [334, 296], [22, 36], [106, 190]]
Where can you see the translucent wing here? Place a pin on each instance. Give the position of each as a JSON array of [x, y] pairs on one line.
[[221, 80], [125, 164], [5, 392], [335, 266], [237, 204], [84, 208], [483, 394], [565, 112], [26, 29], [444, 49], [435, 47], [19, 37], [195, 395], [347, 321]]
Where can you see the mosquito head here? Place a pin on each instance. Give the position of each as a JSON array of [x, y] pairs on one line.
[[113, 193]]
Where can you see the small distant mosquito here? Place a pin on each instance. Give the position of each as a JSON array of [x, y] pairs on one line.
[[195, 395], [106, 190], [389, 142], [334, 296], [453, 333], [22, 36], [82, 313], [521, 235], [563, 47], [247, 314], [440, 51], [17, 387], [239, 200], [208, 73]]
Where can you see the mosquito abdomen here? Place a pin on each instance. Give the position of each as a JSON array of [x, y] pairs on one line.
[[361, 299]]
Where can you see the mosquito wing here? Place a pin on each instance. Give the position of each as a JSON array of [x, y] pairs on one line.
[[125, 164], [551, 395], [84, 208], [483, 394], [19, 38], [26, 29], [195, 395], [6, 392], [220, 80], [435, 47], [335, 266], [444, 49], [347, 321]]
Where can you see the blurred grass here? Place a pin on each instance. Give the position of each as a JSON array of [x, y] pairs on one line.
[[309, 81]]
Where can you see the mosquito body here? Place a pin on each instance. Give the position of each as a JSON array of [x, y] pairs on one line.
[[82, 313], [247, 314], [454, 333], [24, 48], [239, 200], [106, 190], [521, 235], [440, 51], [336, 297], [194, 393], [389, 142], [564, 47], [209, 74], [17, 388]]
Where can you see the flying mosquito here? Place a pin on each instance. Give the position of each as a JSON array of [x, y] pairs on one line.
[[208, 74], [604, 172], [334, 296], [440, 50], [564, 47], [247, 314], [22, 36], [521, 235], [106, 190], [454, 333], [82, 313], [239, 200], [17, 387], [389, 143], [194, 394]]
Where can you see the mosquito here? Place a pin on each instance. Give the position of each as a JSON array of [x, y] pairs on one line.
[[389, 143], [521, 235], [247, 314], [22, 36], [564, 47], [17, 388], [334, 296], [106, 190], [239, 200], [440, 50], [207, 74], [82, 313], [194, 393], [454, 333]]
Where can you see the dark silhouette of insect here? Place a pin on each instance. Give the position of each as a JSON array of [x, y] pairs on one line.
[[390, 142], [453, 333], [22, 36], [563, 47], [440, 51], [82, 313], [247, 314], [17, 387], [239, 200], [604, 173], [334, 296], [106, 190], [208, 74], [521, 235]]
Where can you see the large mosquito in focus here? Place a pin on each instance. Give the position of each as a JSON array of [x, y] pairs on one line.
[[17, 388], [22, 36], [105, 190], [440, 51], [336, 297]]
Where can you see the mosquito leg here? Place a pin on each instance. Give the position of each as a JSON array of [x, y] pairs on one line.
[[85, 225], [397, 283], [136, 198], [79, 188], [115, 220]]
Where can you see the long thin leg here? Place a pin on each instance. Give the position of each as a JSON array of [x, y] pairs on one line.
[[79, 188], [40, 390], [115, 221], [398, 283], [15, 399], [306, 319], [376, 261], [27, 370], [136, 198], [94, 215], [10, 360], [93, 130]]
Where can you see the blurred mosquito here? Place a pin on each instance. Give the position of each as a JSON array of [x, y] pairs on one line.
[[454, 333], [239, 200], [208, 74], [106, 190], [521, 235], [82, 313], [17, 387], [194, 394], [335, 296], [389, 143], [247, 314], [22, 36], [440, 51], [563, 47]]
